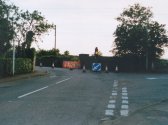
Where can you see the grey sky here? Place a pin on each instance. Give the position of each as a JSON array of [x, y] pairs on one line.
[[83, 25]]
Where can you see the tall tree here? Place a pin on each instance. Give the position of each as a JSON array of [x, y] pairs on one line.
[[30, 27], [138, 35], [6, 28]]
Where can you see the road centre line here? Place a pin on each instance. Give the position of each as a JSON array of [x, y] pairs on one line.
[[32, 92], [41, 89], [62, 81]]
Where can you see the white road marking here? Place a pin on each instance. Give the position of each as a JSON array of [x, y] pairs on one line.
[[124, 107], [124, 112], [111, 106], [124, 101], [114, 91], [53, 76], [115, 81], [114, 94], [124, 97], [152, 78], [115, 85], [40, 89], [112, 101], [32, 92], [62, 81], [124, 88], [109, 112], [124, 91], [124, 94]]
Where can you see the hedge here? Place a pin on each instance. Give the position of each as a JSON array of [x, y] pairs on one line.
[[57, 60], [22, 65]]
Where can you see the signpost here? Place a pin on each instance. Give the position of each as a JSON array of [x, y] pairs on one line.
[[96, 67]]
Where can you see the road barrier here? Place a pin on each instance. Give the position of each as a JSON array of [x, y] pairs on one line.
[[71, 64]]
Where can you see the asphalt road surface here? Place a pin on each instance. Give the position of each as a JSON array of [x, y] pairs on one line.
[[65, 97]]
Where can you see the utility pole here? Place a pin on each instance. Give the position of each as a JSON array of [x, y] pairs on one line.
[[55, 37], [13, 66]]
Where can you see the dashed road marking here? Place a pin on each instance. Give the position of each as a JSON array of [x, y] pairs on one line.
[[112, 101], [124, 97], [111, 106], [124, 94], [32, 92], [124, 107], [124, 101], [114, 94], [124, 112], [53, 76], [109, 112]]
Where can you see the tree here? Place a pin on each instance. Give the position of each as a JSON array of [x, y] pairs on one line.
[[66, 53], [6, 28], [30, 27], [138, 35]]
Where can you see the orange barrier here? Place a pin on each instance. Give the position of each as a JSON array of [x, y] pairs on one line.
[[71, 64]]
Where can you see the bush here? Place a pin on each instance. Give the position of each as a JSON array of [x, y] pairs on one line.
[[161, 65], [22, 65], [57, 60]]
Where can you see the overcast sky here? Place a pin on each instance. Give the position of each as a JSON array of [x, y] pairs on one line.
[[83, 25]]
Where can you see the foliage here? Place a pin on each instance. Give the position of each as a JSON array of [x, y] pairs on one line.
[[30, 27], [66, 53], [6, 29], [161, 65], [52, 52], [22, 65], [138, 35], [23, 27], [48, 57]]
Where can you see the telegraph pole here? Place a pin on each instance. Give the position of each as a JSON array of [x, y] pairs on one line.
[[13, 62], [55, 37]]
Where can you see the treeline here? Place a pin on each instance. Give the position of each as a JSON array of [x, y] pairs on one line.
[[18, 30], [50, 57]]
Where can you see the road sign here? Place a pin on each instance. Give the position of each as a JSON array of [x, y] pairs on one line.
[[96, 67]]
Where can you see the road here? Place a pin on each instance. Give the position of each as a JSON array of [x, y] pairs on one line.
[[65, 97]]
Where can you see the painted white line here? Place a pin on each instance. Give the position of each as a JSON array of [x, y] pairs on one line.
[[52, 76], [124, 88], [111, 106], [124, 97], [32, 92], [124, 94], [152, 78], [124, 112], [115, 81], [124, 107], [62, 81], [114, 91], [112, 101], [124, 101], [114, 94], [109, 112], [124, 91], [40, 89], [115, 85]]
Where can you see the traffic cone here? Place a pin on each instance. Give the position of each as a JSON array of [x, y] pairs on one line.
[[106, 69], [116, 69], [53, 65], [84, 68], [41, 64]]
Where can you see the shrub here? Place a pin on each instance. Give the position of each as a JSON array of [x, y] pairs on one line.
[[22, 65]]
